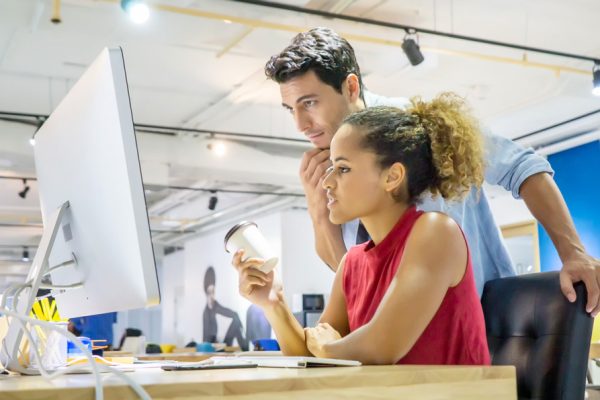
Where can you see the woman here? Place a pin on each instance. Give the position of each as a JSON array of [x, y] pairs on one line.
[[408, 295]]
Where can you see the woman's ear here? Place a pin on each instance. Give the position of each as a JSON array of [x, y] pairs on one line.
[[394, 177]]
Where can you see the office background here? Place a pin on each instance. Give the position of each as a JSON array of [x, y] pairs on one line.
[[216, 146]]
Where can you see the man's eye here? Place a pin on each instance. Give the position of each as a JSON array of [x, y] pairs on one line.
[[309, 103]]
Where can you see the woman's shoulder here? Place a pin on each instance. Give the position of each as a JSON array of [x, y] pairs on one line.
[[436, 222], [436, 230]]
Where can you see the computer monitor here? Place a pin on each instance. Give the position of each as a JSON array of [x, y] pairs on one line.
[[96, 239]]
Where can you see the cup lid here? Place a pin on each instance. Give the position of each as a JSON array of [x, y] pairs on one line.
[[234, 229]]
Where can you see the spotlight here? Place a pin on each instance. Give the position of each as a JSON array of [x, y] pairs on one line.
[[411, 49], [23, 193], [138, 11], [218, 148], [596, 74], [212, 202], [25, 257]]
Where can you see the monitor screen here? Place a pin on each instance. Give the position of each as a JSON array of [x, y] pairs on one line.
[[86, 154]]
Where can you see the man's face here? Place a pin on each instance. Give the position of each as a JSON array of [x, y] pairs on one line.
[[317, 108]]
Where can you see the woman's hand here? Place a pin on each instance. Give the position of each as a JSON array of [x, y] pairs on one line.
[[319, 337], [255, 285]]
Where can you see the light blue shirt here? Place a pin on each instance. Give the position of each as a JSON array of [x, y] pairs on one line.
[[508, 165]]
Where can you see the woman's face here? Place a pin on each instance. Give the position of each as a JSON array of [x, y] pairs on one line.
[[355, 184]]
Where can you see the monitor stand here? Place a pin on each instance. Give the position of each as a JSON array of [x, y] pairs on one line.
[[9, 352]]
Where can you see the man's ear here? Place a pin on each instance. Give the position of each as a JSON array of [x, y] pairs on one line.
[[394, 177], [352, 87]]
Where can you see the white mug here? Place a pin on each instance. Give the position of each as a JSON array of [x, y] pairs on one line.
[[246, 235]]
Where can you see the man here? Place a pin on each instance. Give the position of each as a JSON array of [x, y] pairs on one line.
[[320, 84]]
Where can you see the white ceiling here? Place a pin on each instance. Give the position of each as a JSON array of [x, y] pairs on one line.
[[188, 67]]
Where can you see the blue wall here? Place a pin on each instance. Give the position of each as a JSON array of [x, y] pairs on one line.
[[577, 174]]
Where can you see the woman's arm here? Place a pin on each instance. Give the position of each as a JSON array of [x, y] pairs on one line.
[[434, 259], [257, 287], [335, 312]]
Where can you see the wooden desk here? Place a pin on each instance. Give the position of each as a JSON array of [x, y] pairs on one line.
[[195, 356], [595, 350], [186, 357], [370, 382]]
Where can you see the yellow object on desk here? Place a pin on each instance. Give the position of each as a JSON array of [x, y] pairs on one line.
[[46, 310], [167, 348]]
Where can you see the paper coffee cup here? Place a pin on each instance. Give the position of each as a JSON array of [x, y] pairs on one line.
[[246, 235]]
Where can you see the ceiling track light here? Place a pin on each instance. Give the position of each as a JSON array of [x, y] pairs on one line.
[[25, 256], [411, 48], [23, 193], [596, 78], [212, 201]]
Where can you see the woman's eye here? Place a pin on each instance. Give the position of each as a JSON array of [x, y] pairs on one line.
[[343, 170]]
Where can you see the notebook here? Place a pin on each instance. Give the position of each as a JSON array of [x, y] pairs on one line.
[[292, 362]]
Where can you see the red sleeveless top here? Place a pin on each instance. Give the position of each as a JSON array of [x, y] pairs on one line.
[[455, 335]]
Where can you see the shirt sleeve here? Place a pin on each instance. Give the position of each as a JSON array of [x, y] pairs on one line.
[[509, 164]]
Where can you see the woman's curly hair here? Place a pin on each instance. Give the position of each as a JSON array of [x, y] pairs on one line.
[[438, 142]]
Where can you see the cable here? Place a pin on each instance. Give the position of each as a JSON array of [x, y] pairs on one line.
[[17, 289], [41, 369], [77, 285], [94, 366]]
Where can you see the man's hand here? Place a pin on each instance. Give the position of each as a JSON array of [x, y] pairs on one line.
[[312, 172], [318, 337], [582, 267], [329, 243]]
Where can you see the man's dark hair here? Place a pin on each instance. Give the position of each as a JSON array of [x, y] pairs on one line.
[[321, 50]]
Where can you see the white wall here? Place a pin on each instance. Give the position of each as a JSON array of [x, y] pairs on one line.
[[172, 298], [505, 208], [303, 270]]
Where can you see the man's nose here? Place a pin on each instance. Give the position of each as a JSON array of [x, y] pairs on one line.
[[303, 121]]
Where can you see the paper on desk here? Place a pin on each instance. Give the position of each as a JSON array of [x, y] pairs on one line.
[[290, 362]]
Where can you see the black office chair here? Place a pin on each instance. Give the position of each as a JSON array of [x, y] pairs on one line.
[[531, 325]]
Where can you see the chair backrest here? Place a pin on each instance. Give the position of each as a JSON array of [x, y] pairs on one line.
[[531, 325]]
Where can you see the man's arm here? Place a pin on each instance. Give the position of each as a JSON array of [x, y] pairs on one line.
[[329, 244], [328, 237], [529, 176], [546, 203]]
